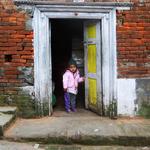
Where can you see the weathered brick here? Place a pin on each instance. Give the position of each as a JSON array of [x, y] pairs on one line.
[[10, 76], [19, 60], [12, 72], [3, 80], [27, 57], [133, 37]]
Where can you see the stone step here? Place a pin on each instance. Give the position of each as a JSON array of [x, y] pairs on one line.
[[5, 121], [8, 109], [7, 116], [92, 130], [7, 145]]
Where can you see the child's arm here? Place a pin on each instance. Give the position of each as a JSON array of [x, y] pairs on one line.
[[80, 79], [65, 82]]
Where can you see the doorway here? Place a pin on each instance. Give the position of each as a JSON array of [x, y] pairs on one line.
[[43, 54], [81, 40], [66, 43]]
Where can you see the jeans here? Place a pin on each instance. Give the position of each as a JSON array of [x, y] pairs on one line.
[[70, 101]]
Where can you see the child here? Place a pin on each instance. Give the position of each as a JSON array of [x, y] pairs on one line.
[[71, 78]]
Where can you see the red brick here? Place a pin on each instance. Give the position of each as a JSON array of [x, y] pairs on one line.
[[25, 52], [16, 56], [3, 80], [30, 36], [27, 40], [30, 61], [8, 52], [15, 80], [12, 48], [19, 60], [12, 19], [18, 64], [28, 48], [18, 36], [10, 76], [27, 57], [10, 68], [4, 14], [15, 40], [12, 72], [7, 44]]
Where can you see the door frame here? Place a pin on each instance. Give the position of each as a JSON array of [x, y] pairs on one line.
[[42, 48]]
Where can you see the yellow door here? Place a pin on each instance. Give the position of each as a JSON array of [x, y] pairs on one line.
[[92, 46]]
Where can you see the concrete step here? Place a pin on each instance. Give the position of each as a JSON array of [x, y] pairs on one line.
[[5, 121], [7, 116], [8, 110], [76, 128], [7, 145]]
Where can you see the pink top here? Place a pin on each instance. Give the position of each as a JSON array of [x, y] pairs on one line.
[[71, 80]]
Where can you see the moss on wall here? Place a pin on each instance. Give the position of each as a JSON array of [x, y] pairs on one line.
[[111, 110], [24, 100], [144, 110], [25, 104]]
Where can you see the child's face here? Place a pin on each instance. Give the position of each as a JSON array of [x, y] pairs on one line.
[[72, 68]]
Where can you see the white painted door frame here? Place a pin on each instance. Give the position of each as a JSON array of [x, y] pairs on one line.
[[42, 49]]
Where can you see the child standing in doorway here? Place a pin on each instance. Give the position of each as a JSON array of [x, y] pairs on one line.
[[71, 78]]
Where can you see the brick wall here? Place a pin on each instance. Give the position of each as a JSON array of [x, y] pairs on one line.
[[133, 40], [16, 58], [15, 48]]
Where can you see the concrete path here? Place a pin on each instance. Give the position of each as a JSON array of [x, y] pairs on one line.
[[81, 128], [6, 145]]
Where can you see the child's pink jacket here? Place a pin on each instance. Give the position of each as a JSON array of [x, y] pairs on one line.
[[71, 80]]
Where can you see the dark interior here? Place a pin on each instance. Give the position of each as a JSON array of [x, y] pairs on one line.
[[67, 42]]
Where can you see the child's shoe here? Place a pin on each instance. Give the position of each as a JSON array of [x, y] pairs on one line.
[[68, 110], [74, 110]]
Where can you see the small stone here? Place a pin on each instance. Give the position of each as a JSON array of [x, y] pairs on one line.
[[36, 146], [96, 130]]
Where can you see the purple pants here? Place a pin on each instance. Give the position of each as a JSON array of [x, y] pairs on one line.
[[70, 101]]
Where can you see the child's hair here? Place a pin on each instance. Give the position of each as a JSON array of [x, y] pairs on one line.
[[72, 62]]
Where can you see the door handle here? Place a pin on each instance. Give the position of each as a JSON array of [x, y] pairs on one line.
[[88, 42]]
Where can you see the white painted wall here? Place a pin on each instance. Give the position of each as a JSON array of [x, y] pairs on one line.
[[126, 93]]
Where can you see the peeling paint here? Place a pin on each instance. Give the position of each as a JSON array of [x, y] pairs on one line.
[[29, 90], [27, 75]]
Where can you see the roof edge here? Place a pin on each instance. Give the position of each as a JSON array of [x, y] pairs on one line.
[[45, 2]]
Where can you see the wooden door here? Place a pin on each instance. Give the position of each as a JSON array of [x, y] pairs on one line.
[[92, 50]]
